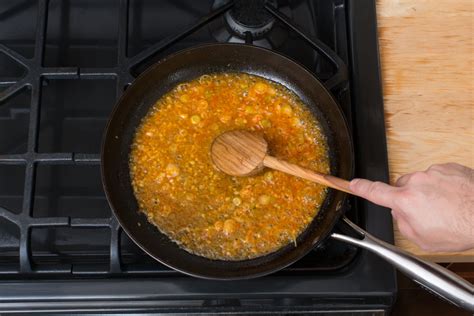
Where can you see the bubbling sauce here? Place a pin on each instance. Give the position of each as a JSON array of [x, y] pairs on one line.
[[210, 213]]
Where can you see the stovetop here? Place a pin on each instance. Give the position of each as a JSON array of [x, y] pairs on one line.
[[60, 75]]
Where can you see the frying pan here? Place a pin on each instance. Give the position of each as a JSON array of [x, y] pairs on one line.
[[213, 58]]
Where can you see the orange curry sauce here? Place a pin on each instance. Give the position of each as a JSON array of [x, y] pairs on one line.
[[205, 211]]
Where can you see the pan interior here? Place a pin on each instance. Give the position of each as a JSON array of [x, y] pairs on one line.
[[190, 64]]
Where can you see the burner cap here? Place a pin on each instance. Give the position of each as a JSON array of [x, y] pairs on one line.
[[250, 16]]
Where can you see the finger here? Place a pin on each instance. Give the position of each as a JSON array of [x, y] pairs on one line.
[[448, 168], [403, 180], [376, 192]]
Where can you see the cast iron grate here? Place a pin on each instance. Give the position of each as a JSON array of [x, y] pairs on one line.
[[37, 75]]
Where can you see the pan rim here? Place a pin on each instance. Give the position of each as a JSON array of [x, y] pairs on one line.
[[126, 226]]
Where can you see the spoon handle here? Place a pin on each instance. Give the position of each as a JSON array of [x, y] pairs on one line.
[[325, 179]]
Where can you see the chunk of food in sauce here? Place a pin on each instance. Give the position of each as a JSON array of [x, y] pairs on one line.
[[205, 211]]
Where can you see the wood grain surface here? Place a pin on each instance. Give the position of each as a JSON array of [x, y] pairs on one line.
[[427, 56]]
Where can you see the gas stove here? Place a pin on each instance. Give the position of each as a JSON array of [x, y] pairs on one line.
[[63, 64]]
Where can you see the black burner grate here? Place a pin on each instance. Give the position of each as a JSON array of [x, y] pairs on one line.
[[37, 76]]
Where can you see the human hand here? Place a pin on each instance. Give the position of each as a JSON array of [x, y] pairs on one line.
[[433, 208]]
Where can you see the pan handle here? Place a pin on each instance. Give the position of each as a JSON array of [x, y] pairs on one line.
[[430, 276]]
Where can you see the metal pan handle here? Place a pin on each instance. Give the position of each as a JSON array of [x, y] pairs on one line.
[[430, 276]]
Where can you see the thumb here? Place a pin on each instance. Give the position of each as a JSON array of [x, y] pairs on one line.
[[376, 192]]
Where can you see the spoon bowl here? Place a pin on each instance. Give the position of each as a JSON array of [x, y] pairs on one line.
[[242, 153]]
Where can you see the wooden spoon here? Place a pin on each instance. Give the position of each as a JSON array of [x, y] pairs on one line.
[[242, 153]]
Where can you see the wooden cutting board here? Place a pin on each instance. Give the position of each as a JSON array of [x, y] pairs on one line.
[[427, 59]]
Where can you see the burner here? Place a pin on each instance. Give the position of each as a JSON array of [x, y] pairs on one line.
[[248, 21], [249, 16]]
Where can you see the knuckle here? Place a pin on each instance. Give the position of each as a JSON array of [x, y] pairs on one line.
[[419, 176], [374, 188], [449, 168], [451, 165], [435, 167], [402, 180]]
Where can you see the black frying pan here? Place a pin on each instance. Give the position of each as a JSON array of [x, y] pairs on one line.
[[192, 63]]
